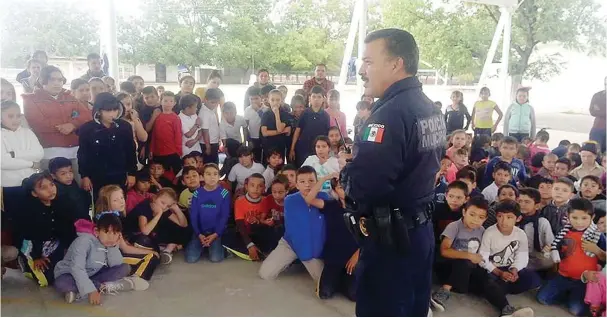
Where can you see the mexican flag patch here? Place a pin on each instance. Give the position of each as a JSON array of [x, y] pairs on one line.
[[374, 133]]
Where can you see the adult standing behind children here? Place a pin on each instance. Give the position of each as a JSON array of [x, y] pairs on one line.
[[213, 81], [107, 149], [186, 87], [93, 61], [38, 55], [29, 83], [519, 121], [54, 116], [482, 114], [456, 113], [589, 165], [263, 79], [210, 126], [319, 79]]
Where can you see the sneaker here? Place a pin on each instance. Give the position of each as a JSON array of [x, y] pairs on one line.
[[70, 297], [439, 299], [510, 311], [124, 284], [166, 258]]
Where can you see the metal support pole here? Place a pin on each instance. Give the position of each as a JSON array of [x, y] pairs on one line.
[[343, 74], [491, 53], [362, 34], [109, 37], [507, 15]]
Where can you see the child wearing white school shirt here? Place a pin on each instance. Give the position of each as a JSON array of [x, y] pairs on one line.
[[230, 129], [210, 126], [252, 116], [243, 169], [190, 124]]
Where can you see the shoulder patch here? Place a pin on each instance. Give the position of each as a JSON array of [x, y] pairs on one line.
[[432, 133], [374, 133]]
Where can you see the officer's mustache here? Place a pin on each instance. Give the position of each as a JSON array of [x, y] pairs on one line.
[[364, 78]]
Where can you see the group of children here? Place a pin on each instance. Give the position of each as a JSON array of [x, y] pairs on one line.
[[151, 186], [508, 222]]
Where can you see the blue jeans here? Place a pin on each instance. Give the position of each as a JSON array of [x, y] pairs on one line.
[[561, 289], [194, 250]]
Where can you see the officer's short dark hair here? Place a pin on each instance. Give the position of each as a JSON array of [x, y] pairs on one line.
[[532, 193], [508, 206], [502, 165], [581, 204], [58, 163], [399, 43], [458, 185], [507, 186], [306, 170], [479, 202]]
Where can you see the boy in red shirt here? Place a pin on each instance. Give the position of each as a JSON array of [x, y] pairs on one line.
[[276, 201], [576, 261], [166, 147]]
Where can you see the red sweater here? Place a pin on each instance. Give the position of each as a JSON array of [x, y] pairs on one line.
[[166, 135], [133, 198]]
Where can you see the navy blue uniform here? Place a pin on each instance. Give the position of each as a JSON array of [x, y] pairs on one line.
[[395, 161]]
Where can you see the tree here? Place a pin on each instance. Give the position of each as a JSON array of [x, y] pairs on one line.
[[33, 25], [132, 42], [458, 34]]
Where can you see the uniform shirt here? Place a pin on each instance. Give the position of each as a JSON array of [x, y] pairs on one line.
[[187, 123], [250, 212], [462, 238], [499, 250], [210, 122], [311, 124], [490, 192], [232, 131], [240, 173], [268, 119], [483, 114], [325, 169], [574, 260], [397, 161], [167, 135], [275, 209], [253, 119]]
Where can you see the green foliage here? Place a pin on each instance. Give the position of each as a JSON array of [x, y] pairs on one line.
[[33, 25]]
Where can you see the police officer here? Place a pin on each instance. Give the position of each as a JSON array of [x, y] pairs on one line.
[[390, 179]]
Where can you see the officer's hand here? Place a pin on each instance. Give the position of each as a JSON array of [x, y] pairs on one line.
[[475, 258], [351, 265]]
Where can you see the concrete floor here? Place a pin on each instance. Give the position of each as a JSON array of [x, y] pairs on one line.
[[231, 288]]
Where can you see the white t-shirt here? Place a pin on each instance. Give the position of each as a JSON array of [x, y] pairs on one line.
[[210, 122], [330, 166], [268, 175], [187, 122], [490, 192], [240, 173], [254, 122], [499, 250], [227, 130]]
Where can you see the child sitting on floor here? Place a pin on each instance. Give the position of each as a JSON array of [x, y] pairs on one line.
[[69, 194], [460, 243], [501, 176], [576, 261], [157, 178], [322, 163], [545, 189], [93, 264], [139, 192], [160, 220], [468, 176], [303, 221], [290, 172], [335, 141], [505, 192], [504, 249], [209, 213], [556, 211], [592, 189], [460, 160], [508, 150], [451, 210], [537, 228], [243, 170], [275, 202], [191, 180], [458, 141], [274, 159]]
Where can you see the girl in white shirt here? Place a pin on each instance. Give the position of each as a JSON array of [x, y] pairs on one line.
[[322, 162], [21, 150]]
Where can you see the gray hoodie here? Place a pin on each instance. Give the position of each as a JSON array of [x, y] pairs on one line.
[[85, 257]]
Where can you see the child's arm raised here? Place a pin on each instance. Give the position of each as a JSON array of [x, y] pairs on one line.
[[150, 124], [192, 130], [147, 226], [311, 198]]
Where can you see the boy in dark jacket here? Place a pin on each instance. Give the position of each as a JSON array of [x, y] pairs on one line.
[[107, 149], [69, 194]]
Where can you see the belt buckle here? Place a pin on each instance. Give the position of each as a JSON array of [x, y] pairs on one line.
[[363, 226]]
